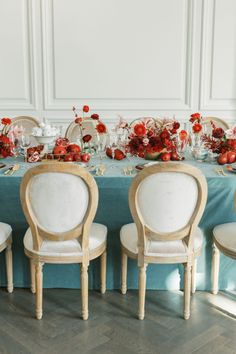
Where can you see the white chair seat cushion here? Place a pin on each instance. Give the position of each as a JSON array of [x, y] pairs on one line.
[[70, 248], [225, 235], [5, 232], [129, 239]]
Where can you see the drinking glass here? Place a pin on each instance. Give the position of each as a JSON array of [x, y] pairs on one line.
[[24, 144]]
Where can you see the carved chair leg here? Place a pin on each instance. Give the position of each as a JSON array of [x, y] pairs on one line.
[[84, 291], [124, 261], [215, 269], [32, 273], [142, 291], [103, 271], [9, 269], [39, 290], [187, 289], [194, 274]]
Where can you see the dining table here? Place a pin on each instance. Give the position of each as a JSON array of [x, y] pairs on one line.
[[113, 211]]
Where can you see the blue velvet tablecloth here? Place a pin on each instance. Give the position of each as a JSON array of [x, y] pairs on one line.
[[113, 211]]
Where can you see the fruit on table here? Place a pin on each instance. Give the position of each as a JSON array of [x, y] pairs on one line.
[[174, 156], [73, 148], [77, 157], [69, 158], [59, 151], [85, 157], [118, 154], [231, 156], [165, 156], [222, 159]]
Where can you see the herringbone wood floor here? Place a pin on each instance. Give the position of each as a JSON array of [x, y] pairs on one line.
[[112, 326]]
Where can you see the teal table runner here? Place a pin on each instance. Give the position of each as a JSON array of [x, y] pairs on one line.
[[113, 211]]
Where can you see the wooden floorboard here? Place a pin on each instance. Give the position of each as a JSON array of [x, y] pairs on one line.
[[113, 326]]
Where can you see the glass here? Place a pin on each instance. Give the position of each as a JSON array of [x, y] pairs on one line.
[[24, 144]]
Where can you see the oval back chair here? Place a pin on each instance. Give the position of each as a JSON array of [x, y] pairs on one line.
[[73, 132], [28, 123], [59, 202], [166, 203], [220, 123]]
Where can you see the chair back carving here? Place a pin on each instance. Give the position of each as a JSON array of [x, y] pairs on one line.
[[59, 201], [167, 202]]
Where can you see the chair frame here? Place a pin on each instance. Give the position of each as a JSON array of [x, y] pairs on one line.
[[7, 246], [185, 234], [81, 232], [216, 121], [32, 119]]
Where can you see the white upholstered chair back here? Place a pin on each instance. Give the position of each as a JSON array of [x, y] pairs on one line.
[[220, 123], [59, 201], [167, 201]]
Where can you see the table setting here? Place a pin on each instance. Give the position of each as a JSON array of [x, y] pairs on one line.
[[114, 157]]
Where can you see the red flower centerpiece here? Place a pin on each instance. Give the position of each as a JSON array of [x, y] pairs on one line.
[[6, 144], [149, 139]]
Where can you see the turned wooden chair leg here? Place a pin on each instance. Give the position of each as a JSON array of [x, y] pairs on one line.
[[39, 290], [215, 269], [194, 274], [103, 271], [84, 291], [124, 261], [187, 289], [142, 291], [32, 274], [9, 269]]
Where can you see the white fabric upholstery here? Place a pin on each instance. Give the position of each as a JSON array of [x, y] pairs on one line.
[[59, 200], [97, 237], [225, 235], [167, 200], [129, 239], [5, 232]]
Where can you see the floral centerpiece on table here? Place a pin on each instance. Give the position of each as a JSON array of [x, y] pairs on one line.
[[152, 140], [79, 118], [6, 143]]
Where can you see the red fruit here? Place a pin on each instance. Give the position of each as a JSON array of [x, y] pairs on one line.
[[69, 158], [59, 151], [231, 156], [86, 109], [165, 156], [85, 157], [119, 155], [109, 152], [77, 157], [174, 156], [222, 159], [73, 148], [62, 142]]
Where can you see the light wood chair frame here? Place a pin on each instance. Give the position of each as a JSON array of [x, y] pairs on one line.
[[7, 246], [31, 119], [186, 234], [81, 232], [217, 121], [216, 249]]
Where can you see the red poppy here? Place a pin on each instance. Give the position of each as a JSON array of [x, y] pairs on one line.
[[164, 134], [139, 129], [6, 121], [176, 125], [195, 117], [86, 109], [87, 138], [197, 127], [101, 128], [218, 133], [95, 116]]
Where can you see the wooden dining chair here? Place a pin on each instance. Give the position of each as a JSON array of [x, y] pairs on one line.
[[224, 241], [220, 123], [5, 244], [28, 123], [59, 201], [166, 201], [73, 132]]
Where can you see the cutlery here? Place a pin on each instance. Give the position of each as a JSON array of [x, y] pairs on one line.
[[8, 169], [14, 169], [220, 172]]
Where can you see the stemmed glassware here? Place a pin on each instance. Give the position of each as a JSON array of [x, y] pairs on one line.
[[24, 144]]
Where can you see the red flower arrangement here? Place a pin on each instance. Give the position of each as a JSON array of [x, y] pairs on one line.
[[196, 120], [6, 144], [149, 138]]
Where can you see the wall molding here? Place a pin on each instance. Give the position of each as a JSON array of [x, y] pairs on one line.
[[51, 102], [30, 101], [207, 102]]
